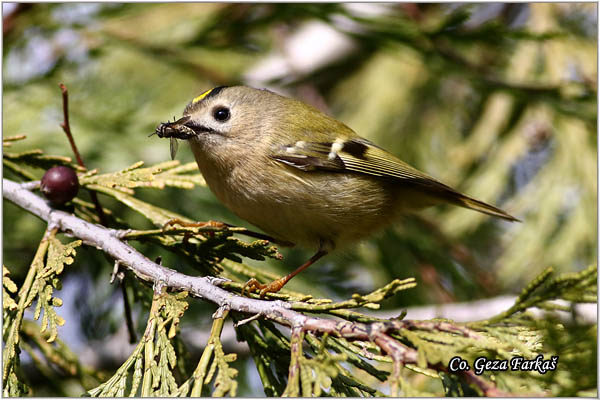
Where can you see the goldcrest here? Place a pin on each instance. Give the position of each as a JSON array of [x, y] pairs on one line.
[[299, 175]]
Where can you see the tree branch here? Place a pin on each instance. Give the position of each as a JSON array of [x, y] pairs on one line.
[[108, 241], [478, 310]]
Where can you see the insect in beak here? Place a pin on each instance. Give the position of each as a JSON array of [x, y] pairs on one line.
[[174, 130]]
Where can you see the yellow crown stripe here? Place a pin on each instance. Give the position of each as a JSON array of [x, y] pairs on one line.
[[203, 95]]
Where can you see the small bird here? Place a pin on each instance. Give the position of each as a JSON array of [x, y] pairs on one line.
[[301, 176]]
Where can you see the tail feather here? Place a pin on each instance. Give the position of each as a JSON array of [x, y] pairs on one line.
[[473, 204], [439, 191]]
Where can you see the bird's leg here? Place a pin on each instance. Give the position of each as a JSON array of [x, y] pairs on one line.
[[276, 285]]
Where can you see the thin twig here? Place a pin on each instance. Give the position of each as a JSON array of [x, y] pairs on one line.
[[67, 128], [128, 314], [246, 320], [488, 388], [293, 385]]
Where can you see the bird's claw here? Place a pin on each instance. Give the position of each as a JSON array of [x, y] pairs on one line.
[[180, 222], [272, 287]]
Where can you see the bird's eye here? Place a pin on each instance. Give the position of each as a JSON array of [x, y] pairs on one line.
[[221, 114]]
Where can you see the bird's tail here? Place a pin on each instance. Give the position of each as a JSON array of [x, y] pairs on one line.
[[473, 204]]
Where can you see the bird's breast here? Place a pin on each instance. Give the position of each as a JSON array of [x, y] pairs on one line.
[[305, 208]]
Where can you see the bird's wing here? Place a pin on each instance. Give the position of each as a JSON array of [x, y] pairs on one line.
[[361, 156], [350, 155]]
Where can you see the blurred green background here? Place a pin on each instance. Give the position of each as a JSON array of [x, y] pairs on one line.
[[497, 100]]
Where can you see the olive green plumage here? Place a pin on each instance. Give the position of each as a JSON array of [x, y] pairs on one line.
[[300, 175]]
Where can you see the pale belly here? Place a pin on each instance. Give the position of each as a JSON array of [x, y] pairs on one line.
[[306, 210]]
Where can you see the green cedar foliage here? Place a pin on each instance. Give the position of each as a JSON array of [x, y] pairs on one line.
[[301, 362]]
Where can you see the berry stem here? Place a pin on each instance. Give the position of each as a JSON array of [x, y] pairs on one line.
[[67, 128], [65, 124]]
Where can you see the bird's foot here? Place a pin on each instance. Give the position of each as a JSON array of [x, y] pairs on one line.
[[272, 287], [180, 222]]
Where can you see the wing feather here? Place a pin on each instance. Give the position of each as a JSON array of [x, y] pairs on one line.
[[363, 157], [356, 155]]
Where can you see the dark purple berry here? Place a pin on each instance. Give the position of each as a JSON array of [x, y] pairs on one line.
[[60, 184]]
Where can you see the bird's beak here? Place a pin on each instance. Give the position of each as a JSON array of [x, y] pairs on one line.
[[183, 129]]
